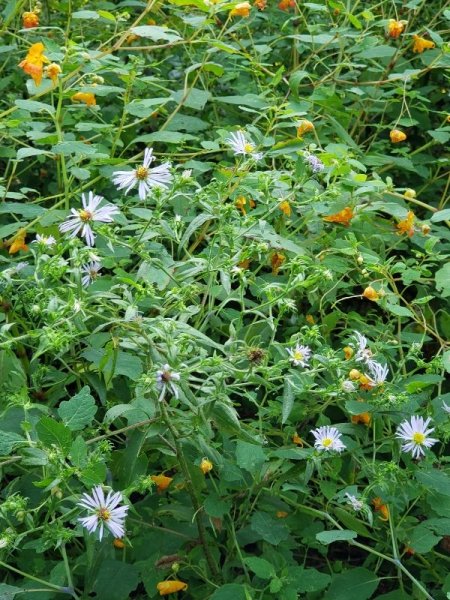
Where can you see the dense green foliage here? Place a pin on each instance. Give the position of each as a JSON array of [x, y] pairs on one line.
[[210, 326]]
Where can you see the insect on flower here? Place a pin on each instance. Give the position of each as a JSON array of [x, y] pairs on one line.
[[415, 435], [328, 438], [165, 378], [104, 512], [144, 177], [241, 145], [80, 220]]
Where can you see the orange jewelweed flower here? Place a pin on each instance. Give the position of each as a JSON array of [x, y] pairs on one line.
[[286, 4], [18, 242], [297, 440], [276, 260], [420, 44], [87, 97], [363, 418], [33, 63], [354, 374], [119, 544], [162, 482], [241, 10], [304, 126], [344, 216], [285, 208], [241, 202], [260, 4], [348, 352], [395, 28], [381, 508], [52, 71], [206, 466], [407, 225], [30, 20], [310, 320], [170, 587], [281, 514], [371, 294], [397, 136]]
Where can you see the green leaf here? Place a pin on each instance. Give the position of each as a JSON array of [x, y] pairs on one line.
[[378, 52], [355, 584], [194, 98], [230, 591], [250, 457], [399, 311], [79, 411], [288, 400], [440, 135], [156, 33], [27, 152], [251, 100], [9, 441], [169, 137], [85, 14], [68, 148], [270, 529], [308, 580], [144, 108], [441, 215], [422, 539], [8, 592], [442, 278], [435, 480], [356, 408], [261, 567], [34, 106], [335, 535], [29, 211], [115, 580], [51, 433]]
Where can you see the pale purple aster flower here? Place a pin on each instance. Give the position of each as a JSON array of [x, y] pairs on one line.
[[80, 220], [328, 438], [363, 353], [91, 271], [241, 145], [104, 512], [44, 240], [144, 177], [314, 163], [415, 434], [378, 373], [300, 355], [165, 378]]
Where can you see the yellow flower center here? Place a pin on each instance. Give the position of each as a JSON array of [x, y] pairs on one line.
[[141, 173], [103, 514], [327, 442], [298, 355], [418, 438], [249, 148], [85, 215]]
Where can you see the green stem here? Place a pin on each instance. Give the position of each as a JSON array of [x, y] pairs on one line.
[[58, 588]]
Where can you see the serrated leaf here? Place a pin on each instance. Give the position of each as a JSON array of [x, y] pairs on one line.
[[79, 411], [335, 535], [51, 433], [356, 584], [34, 106], [250, 457], [230, 591], [270, 529], [261, 567], [9, 441]]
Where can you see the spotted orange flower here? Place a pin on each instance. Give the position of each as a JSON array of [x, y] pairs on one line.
[[395, 28], [363, 418], [420, 44], [371, 294], [381, 508], [365, 383], [344, 217], [260, 4], [86, 97], [348, 352], [241, 202], [33, 63], [406, 226], [286, 4], [296, 439], [170, 587], [18, 242], [304, 126], [206, 466], [162, 482], [30, 20], [397, 136], [52, 71], [119, 544], [276, 260], [285, 208], [241, 10]]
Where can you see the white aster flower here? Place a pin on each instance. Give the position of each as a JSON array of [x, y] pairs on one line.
[[165, 378], [378, 373], [348, 386], [415, 435], [104, 512], [81, 220], [241, 145], [363, 353], [356, 504], [300, 355], [144, 177], [44, 240], [328, 438], [445, 407], [91, 271]]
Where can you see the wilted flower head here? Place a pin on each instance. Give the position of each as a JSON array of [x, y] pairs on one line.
[[300, 355], [91, 271], [105, 511], [348, 386], [415, 435], [80, 220], [144, 177], [165, 378], [30, 20], [395, 28], [241, 145], [356, 504], [328, 438]]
